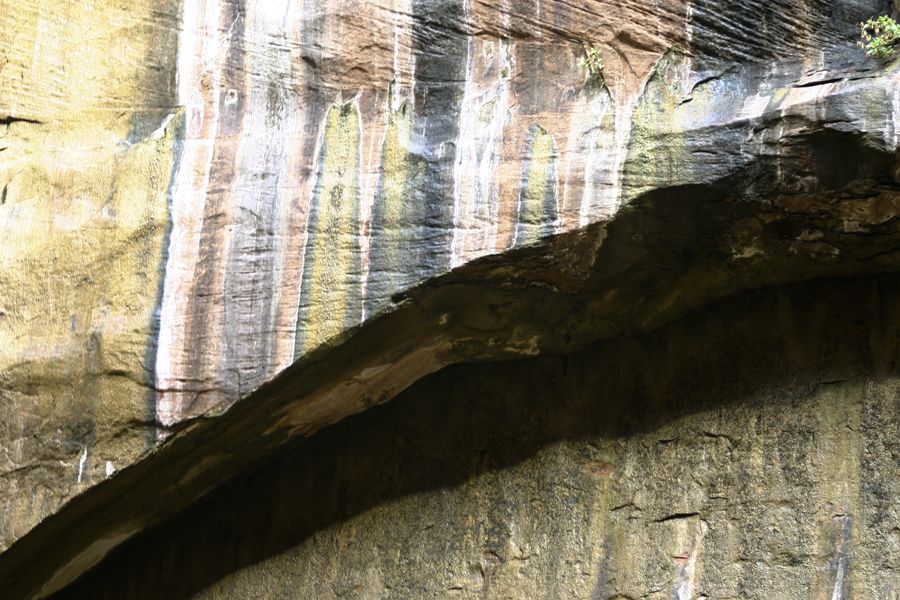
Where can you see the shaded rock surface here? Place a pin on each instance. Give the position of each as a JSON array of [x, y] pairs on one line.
[[747, 451]]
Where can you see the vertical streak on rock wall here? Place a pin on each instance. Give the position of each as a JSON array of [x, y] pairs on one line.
[[390, 252], [591, 143], [689, 533], [661, 113], [205, 326], [331, 295], [174, 130], [390, 262], [199, 91], [840, 406], [254, 273], [485, 111], [528, 68], [537, 189], [310, 31], [441, 56], [297, 183]]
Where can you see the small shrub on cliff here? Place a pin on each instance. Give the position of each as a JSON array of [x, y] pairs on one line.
[[593, 63], [882, 34]]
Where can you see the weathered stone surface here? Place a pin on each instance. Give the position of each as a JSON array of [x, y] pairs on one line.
[[196, 195], [544, 299], [84, 186], [336, 153], [743, 452]]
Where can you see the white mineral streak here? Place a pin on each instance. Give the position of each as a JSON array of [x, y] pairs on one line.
[[81, 463], [688, 74], [370, 145], [370, 154], [279, 22], [370, 160], [161, 130], [404, 59], [690, 533], [262, 196], [893, 92], [299, 191], [838, 582], [484, 114], [590, 151], [199, 87]]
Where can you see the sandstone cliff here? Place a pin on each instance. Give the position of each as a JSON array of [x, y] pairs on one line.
[[199, 198]]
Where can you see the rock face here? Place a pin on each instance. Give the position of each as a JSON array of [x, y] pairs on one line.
[[85, 176], [757, 462], [336, 153], [198, 195]]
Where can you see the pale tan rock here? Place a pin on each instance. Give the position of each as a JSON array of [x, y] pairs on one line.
[[83, 220]]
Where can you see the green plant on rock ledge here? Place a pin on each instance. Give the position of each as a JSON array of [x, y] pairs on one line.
[[882, 34], [593, 63]]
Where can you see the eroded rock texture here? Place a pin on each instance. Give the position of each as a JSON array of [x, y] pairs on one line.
[[195, 195], [744, 452], [338, 152], [85, 179]]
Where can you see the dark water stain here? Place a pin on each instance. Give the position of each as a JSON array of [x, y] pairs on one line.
[[441, 54]]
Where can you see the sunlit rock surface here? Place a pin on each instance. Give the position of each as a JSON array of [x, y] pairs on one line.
[[86, 169], [195, 195], [337, 152]]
